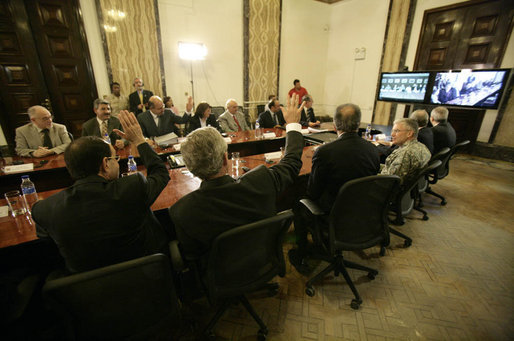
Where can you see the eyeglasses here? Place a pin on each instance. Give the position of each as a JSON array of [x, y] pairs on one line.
[[47, 118], [117, 157], [394, 131]]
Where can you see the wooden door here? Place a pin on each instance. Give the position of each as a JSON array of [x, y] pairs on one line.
[[21, 79], [469, 35], [64, 58]]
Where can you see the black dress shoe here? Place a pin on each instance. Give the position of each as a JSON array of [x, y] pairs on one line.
[[298, 262]]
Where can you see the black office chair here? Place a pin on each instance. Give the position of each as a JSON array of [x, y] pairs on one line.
[[243, 260], [358, 220], [130, 300], [442, 171], [423, 183]]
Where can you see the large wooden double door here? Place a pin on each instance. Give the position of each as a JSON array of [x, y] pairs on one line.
[[44, 60]]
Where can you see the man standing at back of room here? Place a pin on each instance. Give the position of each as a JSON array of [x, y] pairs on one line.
[[117, 101], [103, 219], [298, 89], [139, 98], [333, 164], [444, 134], [222, 203]]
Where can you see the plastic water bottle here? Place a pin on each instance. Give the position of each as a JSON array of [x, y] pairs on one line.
[[258, 131], [131, 165], [107, 139], [29, 192], [367, 134]]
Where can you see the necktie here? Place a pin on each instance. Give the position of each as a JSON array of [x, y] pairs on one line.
[[104, 128], [141, 97], [47, 142], [237, 122], [275, 118]]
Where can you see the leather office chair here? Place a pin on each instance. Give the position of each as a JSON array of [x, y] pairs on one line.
[[130, 300], [423, 183], [408, 197], [357, 221], [442, 171], [243, 260]]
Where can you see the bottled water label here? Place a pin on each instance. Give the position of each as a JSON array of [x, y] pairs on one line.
[[28, 190]]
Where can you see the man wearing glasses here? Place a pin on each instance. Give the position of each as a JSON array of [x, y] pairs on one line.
[[103, 219], [411, 154], [41, 137]]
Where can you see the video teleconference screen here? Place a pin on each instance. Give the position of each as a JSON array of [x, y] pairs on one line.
[[403, 87], [477, 88]]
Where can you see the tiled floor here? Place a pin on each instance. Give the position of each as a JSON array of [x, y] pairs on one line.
[[455, 282]]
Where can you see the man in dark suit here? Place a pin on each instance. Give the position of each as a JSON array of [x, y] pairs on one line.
[[333, 164], [157, 121], [425, 134], [138, 100], [308, 119], [222, 203], [103, 124], [444, 134], [272, 117], [102, 219]]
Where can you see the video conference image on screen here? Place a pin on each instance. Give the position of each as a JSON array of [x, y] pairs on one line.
[[472, 88], [404, 87]]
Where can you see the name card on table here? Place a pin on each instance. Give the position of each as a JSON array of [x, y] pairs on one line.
[[269, 135], [4, 211], [19, 168], [274, 155], [228, 139]]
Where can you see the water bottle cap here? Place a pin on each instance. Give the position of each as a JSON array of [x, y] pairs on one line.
[[24, 177], [130, 157]]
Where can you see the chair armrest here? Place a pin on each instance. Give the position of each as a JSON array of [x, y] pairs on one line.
[[312, 207], [176, 258]]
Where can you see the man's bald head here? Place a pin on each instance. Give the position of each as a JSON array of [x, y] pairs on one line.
[[156, 105], [347, 118]]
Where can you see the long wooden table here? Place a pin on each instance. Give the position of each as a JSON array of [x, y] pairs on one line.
[[14, 231]]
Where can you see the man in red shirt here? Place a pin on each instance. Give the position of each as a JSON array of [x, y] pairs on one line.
[[298, 90]]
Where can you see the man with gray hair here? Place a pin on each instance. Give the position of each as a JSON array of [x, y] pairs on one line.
[[308, 119], [41, 137], [232, 120], [103, 124], [410, 155], [222, 203], [333, 164], [425, 134], [444, 134]]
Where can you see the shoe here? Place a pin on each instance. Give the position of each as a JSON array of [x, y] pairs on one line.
[[298, 262]]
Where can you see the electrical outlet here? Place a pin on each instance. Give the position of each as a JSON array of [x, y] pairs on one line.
[[360, 53]]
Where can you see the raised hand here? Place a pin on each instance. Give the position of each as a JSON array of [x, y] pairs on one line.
[[131, 128], [292, 113], [189, 105]]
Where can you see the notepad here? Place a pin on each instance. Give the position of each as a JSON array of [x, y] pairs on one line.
[[19, 168]]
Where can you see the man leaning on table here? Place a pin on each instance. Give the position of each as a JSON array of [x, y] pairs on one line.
[[222, 203], [41, 137], [102, 219], [103, 123]]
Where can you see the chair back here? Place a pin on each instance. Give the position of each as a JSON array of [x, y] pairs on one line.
[[217, 111], [442, 171], [358, 218], [133, 299], [245, 258]]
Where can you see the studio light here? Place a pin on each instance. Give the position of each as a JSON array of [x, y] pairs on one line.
[[191, 51]]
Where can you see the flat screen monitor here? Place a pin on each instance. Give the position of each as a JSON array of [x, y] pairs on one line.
[[409, 87], [469, 88]]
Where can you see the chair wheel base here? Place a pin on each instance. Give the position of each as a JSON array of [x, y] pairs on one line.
[[372, 275], [382, 251], [407, 243], [355, 304], [443, 202], [262, 334], [310, 291], [425, 217]]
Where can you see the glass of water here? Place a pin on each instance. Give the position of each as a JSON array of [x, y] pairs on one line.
[[15, 202]]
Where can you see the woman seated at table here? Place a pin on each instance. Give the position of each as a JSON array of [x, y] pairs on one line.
[[202, 118]]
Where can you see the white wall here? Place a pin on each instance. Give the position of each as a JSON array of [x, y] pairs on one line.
[[96, 50], [354, 24], [303, 48], [217, 24]]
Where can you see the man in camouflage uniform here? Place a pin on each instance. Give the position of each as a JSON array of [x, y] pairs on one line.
[[411, 154]]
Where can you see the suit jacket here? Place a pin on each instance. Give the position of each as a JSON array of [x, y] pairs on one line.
[[305, 119], [134, 101], [28, 139], [426, 136], [97, 222], [333, 164], [223, 203], [228, 124], [194, 123], [91, 128], [166, 125], [266, 121], [444, 136]]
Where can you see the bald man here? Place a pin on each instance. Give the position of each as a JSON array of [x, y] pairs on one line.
[[157, 121], [41, 137], [232, 120]]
